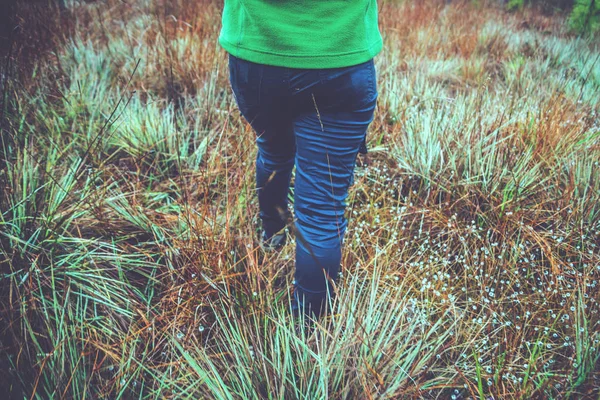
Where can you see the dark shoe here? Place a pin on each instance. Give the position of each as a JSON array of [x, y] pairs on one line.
[[311, 305], [276, 242], [303, 322]]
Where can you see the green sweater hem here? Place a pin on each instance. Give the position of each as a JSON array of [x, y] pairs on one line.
[[304, 61]]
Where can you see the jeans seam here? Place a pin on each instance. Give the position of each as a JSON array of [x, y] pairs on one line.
[[372, 80], [287, 76], [260, 81]]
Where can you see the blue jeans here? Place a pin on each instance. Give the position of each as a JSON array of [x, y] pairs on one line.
[[315, 120]]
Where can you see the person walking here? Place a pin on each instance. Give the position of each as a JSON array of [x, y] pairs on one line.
[[303, 76]]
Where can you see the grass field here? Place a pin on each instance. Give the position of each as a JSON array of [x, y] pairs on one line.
[[130, 265]]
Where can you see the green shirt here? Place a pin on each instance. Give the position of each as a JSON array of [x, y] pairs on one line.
[[301, 33]]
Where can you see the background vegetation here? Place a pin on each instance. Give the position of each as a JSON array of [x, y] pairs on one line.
[[128, 228], [584, 15]]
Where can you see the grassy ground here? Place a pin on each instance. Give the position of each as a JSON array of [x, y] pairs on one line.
[[130, 266]]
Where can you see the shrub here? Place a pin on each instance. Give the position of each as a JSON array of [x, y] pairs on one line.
[[584, 17]]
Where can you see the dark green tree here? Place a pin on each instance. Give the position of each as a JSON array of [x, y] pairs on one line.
[[585, 17]]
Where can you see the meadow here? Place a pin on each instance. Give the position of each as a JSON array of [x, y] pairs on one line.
[[130, 265]]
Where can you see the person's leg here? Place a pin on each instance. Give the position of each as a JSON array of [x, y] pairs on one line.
[[260, 94], [274, 167], [328, 139]]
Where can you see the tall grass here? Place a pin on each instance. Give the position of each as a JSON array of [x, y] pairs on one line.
[[128, 228]]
